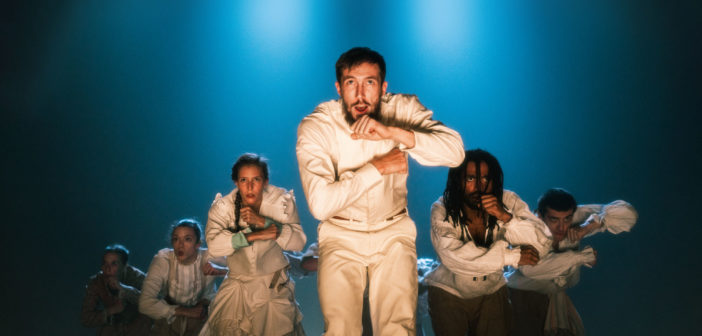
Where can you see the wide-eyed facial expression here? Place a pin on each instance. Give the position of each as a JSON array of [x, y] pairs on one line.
[[112, 265], [360, 90], [251, 183], [477, 183], [185, 244], [558, 222]]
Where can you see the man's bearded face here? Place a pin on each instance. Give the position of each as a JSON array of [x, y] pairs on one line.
[[478, 183], [360, 90], [374, 111]]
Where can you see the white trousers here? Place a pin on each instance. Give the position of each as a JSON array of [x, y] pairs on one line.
[[386, 259]]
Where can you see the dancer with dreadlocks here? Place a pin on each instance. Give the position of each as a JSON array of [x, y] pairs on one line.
[[477, 229], [252, 226]]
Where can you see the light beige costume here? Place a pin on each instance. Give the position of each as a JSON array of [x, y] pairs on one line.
[[365, 232], [257, 296], [558, 271], [169, 284], [468, 270]]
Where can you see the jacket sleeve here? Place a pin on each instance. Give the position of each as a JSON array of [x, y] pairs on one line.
[[583, 212], [558, 264], [525, 228], [217, 235], [292, 237], [325, 194], [616, 217], [134, 281], [156, 279], [435, 144], [91, 314], [466, 258]]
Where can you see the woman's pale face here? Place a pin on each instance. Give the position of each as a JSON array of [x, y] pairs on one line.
[[185, 244], [250, 184]]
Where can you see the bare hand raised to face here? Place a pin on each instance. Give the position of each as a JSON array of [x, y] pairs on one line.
[[115, 308], [114, 283], [530, 256], [369, 129], [250, 216], [494, 208], [394, 162], [575, 234]]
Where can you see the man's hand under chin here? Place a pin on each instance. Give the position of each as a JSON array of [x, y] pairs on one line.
[[368, 128]]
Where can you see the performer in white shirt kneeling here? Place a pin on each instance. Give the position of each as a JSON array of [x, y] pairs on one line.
[[180, 283]]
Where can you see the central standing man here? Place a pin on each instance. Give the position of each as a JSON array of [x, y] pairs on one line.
[[352, 155]]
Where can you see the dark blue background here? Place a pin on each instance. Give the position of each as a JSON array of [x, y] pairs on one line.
[[122, 116]]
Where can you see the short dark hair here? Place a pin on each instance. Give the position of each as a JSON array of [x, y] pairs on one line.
[[117, 249], [190, 223], [557, 199], [356, 56], [250, 159]]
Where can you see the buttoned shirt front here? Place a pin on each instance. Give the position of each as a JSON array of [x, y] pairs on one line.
[[336, 174]]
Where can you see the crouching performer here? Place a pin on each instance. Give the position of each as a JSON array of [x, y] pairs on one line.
[[252, 226], [112, 296], [477, 229], [538, 293], [180, 283]]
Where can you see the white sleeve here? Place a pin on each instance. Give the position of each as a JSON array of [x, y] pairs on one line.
[[292, 237], [583, 212], [435, 144], [325, 195], [618, 216], [156, 278], [525, 228], [217, 234], [467, 258], [558, 264]]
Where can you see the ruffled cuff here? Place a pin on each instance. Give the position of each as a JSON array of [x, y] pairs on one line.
[[239, 240], [512, 256], [587, 255], [618, 217], [270, 221]]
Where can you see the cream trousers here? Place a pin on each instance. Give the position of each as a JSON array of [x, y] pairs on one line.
[[386, 260]]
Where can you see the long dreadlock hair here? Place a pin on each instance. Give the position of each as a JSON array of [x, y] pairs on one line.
[[246, 159], [455, 192]]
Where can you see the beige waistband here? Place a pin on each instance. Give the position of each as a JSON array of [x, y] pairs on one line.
[[403, 211]]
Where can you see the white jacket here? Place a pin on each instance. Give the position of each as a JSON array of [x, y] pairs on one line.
[[336, 174], [262, 256], [468, 270], [162, 275], [559, 270]]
